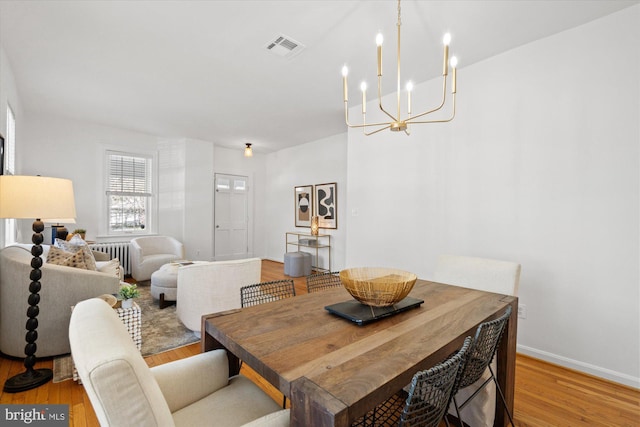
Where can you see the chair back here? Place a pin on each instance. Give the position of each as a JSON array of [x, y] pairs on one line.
[[484, 274], [431, 391], [212, 287], [483, 349], [118, 381], [153, 245], [261, 293], [322, 281]]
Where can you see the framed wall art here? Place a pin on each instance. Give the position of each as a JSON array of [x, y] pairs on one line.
[[303, 205], [326, 205]]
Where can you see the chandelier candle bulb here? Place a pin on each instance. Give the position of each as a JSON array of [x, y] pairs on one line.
[[379, 39], [345, 72], [363, 88], [409, 89], [454, 66], [445, 64]]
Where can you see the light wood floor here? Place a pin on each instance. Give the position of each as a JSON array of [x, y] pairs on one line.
[[546, 395]]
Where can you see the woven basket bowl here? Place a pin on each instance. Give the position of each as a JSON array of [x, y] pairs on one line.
[[377, 286]]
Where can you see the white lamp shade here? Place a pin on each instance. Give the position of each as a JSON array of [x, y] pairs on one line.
[[36, 197]]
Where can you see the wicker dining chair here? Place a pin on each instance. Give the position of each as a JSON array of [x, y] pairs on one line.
[[261, 293], [482, 352], [321, 281], [427, 400]]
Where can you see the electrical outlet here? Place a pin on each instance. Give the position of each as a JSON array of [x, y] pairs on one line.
[[522, 311]]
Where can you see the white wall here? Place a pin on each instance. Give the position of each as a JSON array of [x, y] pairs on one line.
[[65, 148], [318, 162], [172, 161], [186, 189], [8, 93], [8, 96], [541, 166], [198, 202]]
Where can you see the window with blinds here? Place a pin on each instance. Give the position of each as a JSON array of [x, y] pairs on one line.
[[10, 225], [129, 192]]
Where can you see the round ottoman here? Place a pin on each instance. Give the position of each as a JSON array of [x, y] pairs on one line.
[[297, 264], [164, 284]]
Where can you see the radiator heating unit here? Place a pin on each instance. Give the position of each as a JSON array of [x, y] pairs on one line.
[[118, 250]]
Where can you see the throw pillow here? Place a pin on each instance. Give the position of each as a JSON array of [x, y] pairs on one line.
[[69, 259], [74, 245], [112, 267]]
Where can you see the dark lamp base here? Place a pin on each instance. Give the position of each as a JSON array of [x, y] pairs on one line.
[[28, 380]]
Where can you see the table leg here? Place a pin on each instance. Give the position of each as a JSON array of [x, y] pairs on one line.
[[208, 343], [507, 366], [313, 406]]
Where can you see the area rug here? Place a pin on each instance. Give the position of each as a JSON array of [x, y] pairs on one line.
[[161, 331]]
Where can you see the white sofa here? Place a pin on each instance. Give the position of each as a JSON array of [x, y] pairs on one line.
[[212, 287], [62, 287], [195, 391], [149, 253]]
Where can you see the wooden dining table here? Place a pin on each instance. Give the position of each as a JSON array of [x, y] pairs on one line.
[[333, 370]]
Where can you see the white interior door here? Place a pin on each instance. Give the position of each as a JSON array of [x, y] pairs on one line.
[[231, 218]]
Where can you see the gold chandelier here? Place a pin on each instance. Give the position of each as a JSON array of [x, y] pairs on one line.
[[397, 123]]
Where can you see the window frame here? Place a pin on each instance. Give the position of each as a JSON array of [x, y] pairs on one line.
[[151, 209], [9, 231]]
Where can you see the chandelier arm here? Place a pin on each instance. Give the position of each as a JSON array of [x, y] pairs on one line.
[[442, 120], [376, 131], [444, 99], [380, 101], [366, 125]]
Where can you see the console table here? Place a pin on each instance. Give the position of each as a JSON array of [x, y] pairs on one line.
[[321, 242]]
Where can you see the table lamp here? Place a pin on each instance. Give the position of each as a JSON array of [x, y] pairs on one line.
[[34, 197], [58, 230]]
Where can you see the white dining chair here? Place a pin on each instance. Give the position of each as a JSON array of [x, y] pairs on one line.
[[483, 274]]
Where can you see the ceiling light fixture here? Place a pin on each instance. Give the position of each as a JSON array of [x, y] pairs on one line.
[[398, 123], [248, 151]]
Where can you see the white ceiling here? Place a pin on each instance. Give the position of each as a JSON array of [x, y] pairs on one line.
[[200, 69]]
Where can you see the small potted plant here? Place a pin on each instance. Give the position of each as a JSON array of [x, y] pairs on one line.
[[128, 293], [81, 231]]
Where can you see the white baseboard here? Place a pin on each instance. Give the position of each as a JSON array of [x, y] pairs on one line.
[[587, 368]]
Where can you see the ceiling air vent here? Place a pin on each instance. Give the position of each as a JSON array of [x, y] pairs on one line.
[[285, 46]]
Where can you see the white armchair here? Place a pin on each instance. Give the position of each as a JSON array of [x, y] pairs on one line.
[[149, 253], [212, 287], [195, 391], [489, 275]]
